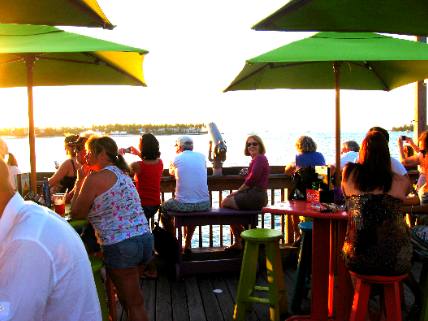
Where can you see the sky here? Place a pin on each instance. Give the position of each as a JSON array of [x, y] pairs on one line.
[[196, 48]]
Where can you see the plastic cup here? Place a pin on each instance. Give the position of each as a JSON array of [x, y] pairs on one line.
[[59, 203]]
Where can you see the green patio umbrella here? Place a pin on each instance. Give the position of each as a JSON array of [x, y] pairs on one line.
[[33, 55], [329, 60], [81, 13], [390, 16]]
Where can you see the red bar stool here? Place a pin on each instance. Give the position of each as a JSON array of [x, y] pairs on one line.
[[392, 295]]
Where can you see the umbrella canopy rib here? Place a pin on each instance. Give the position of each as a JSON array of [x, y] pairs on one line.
[[371, 68], [96, 61], [256, 71]]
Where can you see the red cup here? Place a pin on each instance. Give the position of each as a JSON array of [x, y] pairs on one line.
[[59, 203], [60, 209]]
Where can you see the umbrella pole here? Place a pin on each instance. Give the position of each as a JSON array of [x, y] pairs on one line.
[[29, 62], [336, 69]]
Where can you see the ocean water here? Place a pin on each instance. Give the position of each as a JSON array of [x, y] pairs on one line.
[[279, 144]]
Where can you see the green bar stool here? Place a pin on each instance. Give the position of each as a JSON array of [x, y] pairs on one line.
[[274, 294], [97, 264]]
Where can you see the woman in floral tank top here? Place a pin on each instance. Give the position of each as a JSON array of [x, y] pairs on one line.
[[110, 201]]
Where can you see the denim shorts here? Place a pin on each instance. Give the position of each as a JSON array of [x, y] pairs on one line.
[[129, 253]]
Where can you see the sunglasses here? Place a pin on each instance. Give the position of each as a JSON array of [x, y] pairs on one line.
[[252, 144]]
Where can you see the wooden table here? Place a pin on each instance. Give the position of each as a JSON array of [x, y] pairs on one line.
[[331, 286]]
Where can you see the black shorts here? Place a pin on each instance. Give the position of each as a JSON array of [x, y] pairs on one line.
[[253, 198]]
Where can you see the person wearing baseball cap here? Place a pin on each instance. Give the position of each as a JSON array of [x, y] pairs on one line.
[[191, 189]]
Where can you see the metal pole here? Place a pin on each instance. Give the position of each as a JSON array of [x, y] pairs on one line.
[[336, 69], [420, 112], [29, 63]]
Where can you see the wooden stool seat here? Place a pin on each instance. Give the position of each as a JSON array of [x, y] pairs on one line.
[[392, 295], [276, 296]]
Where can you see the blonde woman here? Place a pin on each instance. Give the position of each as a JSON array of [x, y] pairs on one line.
[[109, 200]]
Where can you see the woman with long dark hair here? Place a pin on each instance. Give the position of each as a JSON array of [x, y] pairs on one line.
[[147, 173], [110, 202], [377, 239]]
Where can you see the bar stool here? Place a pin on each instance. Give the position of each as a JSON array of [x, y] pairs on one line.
[[392, 296], [303, 272], [97, 264], [276, 293]]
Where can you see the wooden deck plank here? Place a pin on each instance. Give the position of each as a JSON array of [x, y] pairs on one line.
[[211, 305], [149, 292], [225, 299], [194, 302], [163, 300], [232, 285], [179, 299]]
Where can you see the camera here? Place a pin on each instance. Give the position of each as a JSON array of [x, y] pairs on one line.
[[128, 150], [403, 137]]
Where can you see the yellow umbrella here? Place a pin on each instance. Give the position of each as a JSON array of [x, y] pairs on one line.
[[33, 55], [80, 13]]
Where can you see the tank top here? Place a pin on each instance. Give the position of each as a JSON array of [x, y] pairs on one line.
[[377, 238], [67, 182], [116, 214], [147, 182]]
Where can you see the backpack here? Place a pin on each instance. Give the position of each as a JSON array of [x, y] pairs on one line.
[[303, 179], [167, 248]]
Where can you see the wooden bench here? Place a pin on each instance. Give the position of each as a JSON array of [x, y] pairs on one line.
[[214, 259]]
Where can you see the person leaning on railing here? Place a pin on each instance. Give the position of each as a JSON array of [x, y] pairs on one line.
[[252, 194], [147, 173], [65, 176], [109, 200]]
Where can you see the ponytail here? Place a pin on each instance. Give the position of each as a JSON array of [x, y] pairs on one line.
[[120, 162], [98, 144]]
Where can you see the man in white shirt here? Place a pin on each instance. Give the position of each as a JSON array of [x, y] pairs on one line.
[[191, 188], [45, 273], [349, 153]]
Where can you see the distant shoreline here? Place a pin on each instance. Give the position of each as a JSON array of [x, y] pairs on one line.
[[111, 129]]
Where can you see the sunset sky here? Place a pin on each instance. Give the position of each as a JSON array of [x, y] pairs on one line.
[[196, 48]]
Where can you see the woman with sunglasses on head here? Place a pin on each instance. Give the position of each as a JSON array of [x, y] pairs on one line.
[[109, 200], [252, 194], [65, 176], [377, 238]]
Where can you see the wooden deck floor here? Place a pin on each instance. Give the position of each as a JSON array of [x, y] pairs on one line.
[[211, 297], [196, 298]]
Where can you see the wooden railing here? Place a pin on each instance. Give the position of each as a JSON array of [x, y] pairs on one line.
[[219, 187]]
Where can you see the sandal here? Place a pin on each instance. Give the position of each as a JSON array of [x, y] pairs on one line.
[[150, 275]]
